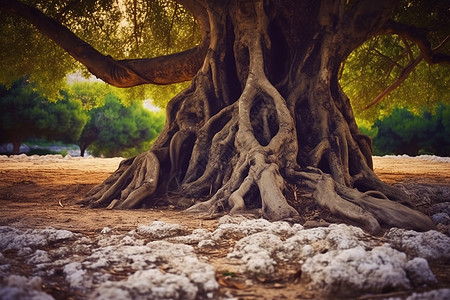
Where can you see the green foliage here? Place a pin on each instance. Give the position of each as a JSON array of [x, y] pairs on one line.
[[122, 29], [118, 130], [142, 28], [377, 63], [25, 52], [89, 94], [431, 14], [25, 113], [160, 94], [404, 132], [109, 128]]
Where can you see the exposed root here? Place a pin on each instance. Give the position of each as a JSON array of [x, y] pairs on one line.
[[270, 184], [215, 165], [267, 178], [134, 181], [369, 209], [180, 149], [236, 200]]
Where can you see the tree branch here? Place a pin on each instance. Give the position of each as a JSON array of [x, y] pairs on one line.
[[168, 69], [427, 53], [418, 36], [393, 61], [404, 74]]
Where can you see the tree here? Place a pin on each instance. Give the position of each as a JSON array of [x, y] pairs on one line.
[[403, 132], [113, 128], [264, 111], [25, 113]]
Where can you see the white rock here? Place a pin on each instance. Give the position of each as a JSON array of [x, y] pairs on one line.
[[230, 219], [160, 230], [148, 284], [256, 252], [15, 239], [305, 243], [39, 256], [440, 294], [105, 230], [197, 236], [431, 245], [441, 218], [356, 270], [239, 226], [419, 272], [206, 244], [20, 287], [24, 251], [76, 276], [154, 261], [118, 256], [184, 272]]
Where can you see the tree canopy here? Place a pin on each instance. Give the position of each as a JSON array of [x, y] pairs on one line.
[[121, 29], [393, 69], [377, 82], [139, 29]]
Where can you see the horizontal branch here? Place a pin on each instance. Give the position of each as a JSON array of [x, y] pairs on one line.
[[419, 37], [168, 69], [403, 75]]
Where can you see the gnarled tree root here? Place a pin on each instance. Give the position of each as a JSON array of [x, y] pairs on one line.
[[369, 209], [135, 180], [268, 180]]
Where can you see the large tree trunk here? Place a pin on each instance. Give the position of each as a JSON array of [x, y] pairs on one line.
[[265, 112]]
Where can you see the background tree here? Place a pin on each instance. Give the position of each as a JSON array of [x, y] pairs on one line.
[[264, 112], [113, 129], [25, 113], [89, 94], [404, 132]]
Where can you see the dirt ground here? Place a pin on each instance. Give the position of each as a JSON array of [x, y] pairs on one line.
[[39, 193]]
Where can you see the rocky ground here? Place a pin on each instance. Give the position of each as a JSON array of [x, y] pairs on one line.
[[50, 248]]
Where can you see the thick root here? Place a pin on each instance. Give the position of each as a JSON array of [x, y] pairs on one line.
[[129, 186], [369, 209], [266, 177], [270, 184]]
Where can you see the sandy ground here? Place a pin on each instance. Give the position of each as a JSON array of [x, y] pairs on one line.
[[37, 193], [44, 192]]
